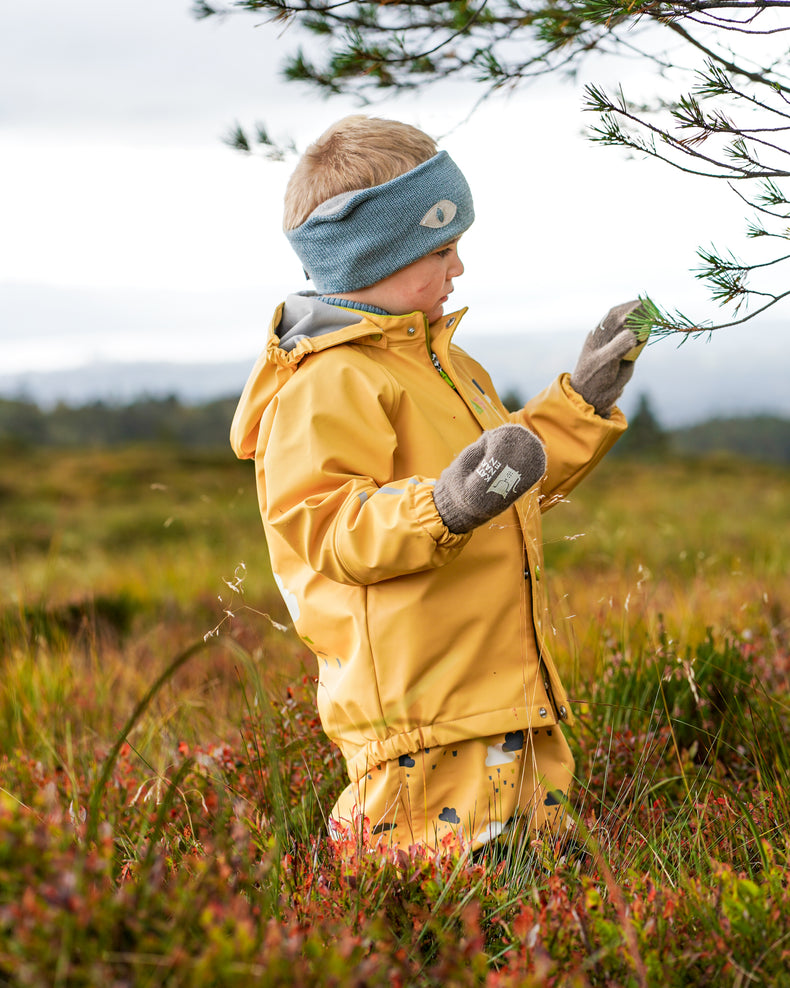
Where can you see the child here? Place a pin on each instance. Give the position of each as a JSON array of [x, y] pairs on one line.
[[401, 501]]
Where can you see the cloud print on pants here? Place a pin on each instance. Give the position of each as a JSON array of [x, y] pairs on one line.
[[448, 815], [497, 755], [406, 761], [491, 832], [554, 798], [514, 741]]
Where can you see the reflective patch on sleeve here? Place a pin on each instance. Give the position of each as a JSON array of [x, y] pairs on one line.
[[391, 490], [289, 597], [362, 497]]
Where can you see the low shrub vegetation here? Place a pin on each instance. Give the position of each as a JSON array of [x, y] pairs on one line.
[[164, 779]]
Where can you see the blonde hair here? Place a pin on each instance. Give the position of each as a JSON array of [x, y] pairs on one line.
[[357, 152]]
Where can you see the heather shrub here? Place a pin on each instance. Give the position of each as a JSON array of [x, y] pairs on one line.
[[164, 780]]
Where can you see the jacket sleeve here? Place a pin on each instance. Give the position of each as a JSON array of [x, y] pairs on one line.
[[325, 460], [576, 438]]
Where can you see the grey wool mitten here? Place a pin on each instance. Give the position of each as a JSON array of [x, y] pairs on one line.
[[601, 372], [488, 476]]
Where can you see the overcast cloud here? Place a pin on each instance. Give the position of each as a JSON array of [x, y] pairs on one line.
[[129, 231]]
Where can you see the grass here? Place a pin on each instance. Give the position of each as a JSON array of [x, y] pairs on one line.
[[164, 779]]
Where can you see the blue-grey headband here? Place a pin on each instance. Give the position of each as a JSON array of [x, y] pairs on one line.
[[357, 238]]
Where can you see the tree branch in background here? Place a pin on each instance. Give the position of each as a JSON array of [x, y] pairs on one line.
[[726, 59]]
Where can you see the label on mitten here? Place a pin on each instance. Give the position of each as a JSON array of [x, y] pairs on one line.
[[488, 468], [505, 482]]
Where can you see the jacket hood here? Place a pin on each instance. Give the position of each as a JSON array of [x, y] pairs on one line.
[[305, 317], [300, 326]]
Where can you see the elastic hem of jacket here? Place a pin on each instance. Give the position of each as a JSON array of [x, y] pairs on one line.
[[427, 736]]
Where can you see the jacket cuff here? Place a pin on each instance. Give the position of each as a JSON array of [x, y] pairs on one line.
[[428, 517], [615, 416]]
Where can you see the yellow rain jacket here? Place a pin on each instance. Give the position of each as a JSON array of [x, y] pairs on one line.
[[423, 637]]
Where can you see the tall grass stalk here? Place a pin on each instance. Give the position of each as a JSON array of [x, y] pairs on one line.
[[108, 765]]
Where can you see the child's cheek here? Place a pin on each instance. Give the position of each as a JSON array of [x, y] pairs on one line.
[[431, 283]]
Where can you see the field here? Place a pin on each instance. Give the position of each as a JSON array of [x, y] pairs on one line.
[[163, 777]]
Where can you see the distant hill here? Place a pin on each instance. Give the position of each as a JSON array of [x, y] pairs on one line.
[[734, 374], [123, 383], [103, 424], [762, 437], [170, 420]]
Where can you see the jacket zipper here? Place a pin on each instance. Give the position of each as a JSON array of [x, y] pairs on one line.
[[435, 360], [560, 712], [442, 371]]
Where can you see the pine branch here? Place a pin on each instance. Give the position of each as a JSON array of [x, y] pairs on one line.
[[237, 139], [725, 63], [271, 150], [729, 125], [666, 324]]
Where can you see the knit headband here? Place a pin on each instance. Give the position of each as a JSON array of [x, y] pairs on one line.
[[357, 238]]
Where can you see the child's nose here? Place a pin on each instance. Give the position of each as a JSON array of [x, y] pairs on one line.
[[456, 267]]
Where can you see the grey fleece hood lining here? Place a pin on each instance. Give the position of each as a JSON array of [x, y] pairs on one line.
[[306, 317]]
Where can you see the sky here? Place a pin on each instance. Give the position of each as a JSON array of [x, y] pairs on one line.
[[129, 231]]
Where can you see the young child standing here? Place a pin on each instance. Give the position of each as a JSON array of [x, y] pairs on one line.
[[401, 501]]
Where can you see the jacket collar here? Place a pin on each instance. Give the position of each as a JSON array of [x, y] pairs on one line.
[[303, 324]]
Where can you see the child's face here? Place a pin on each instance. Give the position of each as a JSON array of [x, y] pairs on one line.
[[423, 285]]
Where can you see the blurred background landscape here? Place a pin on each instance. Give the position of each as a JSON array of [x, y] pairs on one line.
[[141, 256], [722, 396]]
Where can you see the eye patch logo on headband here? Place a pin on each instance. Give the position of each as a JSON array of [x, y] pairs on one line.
[[439, 215]]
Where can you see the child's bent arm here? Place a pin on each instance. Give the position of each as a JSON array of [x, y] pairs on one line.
[[325, 477], [360, 533], [576, 439]]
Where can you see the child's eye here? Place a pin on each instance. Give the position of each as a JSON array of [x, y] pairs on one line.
[[444, 251]]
